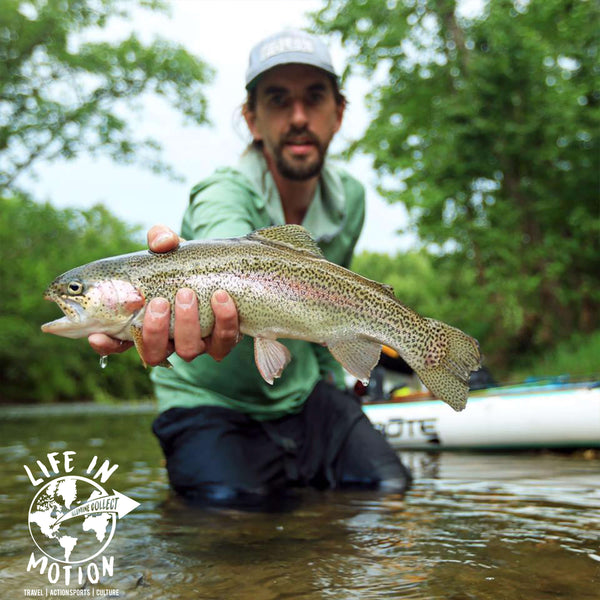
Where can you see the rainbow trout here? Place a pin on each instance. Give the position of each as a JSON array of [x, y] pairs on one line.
[[283, 287]]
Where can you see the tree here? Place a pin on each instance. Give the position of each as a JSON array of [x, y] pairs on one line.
[[486, 128], [38, 243], [61, 95]]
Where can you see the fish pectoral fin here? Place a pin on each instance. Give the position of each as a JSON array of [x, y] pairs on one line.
[[136, 334], [357, 356], [271, 357]]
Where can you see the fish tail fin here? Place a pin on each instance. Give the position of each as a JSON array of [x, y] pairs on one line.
[[446, 364]]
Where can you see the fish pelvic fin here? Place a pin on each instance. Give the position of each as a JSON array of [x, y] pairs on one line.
[[449, 358], [357, 356], [271, 358]]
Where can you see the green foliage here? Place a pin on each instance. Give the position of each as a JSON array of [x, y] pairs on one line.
[[61, 95], [576, 357], [486, 128], [412, 275], [37, 243]]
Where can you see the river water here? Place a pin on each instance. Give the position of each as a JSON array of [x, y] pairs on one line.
[[474, 526]]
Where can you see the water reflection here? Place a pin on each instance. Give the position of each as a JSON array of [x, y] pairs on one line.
[[473, 526]]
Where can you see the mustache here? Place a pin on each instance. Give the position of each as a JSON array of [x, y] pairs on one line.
[[302, 132]]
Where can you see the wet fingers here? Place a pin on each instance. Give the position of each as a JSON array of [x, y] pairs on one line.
[[155, 331], [226, 331], [162, 239], [105, 345], [187, 334]]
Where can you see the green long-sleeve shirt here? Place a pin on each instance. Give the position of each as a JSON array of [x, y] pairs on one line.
[[233, 202]]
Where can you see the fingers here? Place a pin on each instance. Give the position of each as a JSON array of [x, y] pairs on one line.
[[162, 239], [105, 345], [187, 340], [187, 334], [226, 331], [155, 331]]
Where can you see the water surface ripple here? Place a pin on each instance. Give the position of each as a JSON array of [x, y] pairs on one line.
[[474, 526]]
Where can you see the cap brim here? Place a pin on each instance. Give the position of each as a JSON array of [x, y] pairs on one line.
[[292, 58]]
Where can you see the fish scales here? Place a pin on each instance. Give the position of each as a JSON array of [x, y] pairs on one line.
[[283, 287], [249, 271]]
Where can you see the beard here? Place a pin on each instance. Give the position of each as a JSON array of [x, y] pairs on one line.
[[299, 168]]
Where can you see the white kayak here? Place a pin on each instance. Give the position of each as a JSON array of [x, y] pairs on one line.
[[547, 416]]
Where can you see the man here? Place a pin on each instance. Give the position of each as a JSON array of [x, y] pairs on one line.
[[228, 437]]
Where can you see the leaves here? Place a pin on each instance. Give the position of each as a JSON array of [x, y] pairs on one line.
[[65, 90], [61, 96], [38, 242], [486, 128]]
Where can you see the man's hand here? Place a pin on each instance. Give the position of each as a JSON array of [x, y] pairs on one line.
[[187, 342]]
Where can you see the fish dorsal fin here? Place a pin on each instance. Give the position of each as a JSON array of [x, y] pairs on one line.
[[293, 236]]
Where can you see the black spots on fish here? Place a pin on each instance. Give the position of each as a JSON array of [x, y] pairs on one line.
[[450, 356], [249, 263], [436, 346]]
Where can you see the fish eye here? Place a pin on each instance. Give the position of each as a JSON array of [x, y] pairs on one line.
[[74, 288]]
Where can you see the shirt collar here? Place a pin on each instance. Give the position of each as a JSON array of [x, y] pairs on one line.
[[327, 211]]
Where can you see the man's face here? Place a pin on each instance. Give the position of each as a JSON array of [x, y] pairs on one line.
[[295, 117]]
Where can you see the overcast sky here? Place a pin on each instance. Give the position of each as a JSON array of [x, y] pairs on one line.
[[221, 32]]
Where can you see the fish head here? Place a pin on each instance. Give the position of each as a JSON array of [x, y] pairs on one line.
[[93, 300]]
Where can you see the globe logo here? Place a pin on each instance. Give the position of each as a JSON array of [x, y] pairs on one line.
[[72, 519]]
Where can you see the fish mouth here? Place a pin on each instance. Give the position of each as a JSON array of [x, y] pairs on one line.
[[78, 323], [57, 326], [69, 325], [73, 311]]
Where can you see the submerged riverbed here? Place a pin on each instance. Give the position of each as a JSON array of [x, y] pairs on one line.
[[474, 526]]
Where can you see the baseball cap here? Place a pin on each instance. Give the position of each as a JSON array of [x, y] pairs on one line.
[[287, 47]]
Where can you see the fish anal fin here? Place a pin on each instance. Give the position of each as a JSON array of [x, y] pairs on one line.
[[136, 334], [271, 358], [357, 356], [293, 236]]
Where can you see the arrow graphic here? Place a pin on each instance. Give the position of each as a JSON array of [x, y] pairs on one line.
[[116, 503]]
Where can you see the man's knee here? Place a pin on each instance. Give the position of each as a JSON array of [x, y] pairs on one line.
[[393, 481], [395, 485], [220, 495]]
